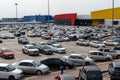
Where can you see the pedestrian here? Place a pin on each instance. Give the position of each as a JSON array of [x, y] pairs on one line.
[[61, 69]]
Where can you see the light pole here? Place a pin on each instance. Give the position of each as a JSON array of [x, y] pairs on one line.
[[112, 16], [16, 12], [48, 12]]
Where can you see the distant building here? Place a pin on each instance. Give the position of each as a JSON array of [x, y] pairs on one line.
[[38, 18]]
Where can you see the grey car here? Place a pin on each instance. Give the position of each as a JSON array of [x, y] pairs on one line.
[[79, 59], [90, 73], [31, 67], [100, 56], [114, 70]]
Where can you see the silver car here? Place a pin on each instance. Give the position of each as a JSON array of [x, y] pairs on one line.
[[8, 71], [96, 44], [79, 59], [30, 50], [100, 56], [31, 67]]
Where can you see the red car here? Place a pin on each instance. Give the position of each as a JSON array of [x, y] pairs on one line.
[[6, 53]]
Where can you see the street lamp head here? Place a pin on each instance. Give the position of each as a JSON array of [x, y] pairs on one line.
[[16, 4]]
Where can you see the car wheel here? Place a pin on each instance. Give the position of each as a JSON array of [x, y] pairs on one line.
[[38, 72], [107, 59], [11, 78], [87, 63], [66, 67], [118, 57], [23, 51]]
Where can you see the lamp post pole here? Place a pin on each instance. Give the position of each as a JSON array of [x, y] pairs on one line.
[[16, 11], [112, 16], [48, 13]]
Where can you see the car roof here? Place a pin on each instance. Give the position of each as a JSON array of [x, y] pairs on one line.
[[91, 68], [76, 54], [4, 48], [94, 51], [27, 61], [29, 45], [3, 64], [67, 77]]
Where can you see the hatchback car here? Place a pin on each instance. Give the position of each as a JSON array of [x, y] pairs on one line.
[[90, 73], [6, 53], [31, 67], [96, 44], [114, 70], [100, 56], [79, 59], [8, 71], [55, 63]]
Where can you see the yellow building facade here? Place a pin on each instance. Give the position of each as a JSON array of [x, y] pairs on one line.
[[104, 14]]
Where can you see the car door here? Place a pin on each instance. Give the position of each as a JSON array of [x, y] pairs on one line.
[[77, 60], [3, 72], [101, 56], [94, 56]]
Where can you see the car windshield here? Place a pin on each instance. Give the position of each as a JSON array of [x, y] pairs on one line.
[[99, 42], [59, 46], [7, 50], [46, 47], [10, 67], [35, 63], [31, 47]]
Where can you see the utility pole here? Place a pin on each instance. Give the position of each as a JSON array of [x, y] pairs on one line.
[[16, 4]]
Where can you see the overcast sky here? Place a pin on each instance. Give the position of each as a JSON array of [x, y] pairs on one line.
[[35, 7]]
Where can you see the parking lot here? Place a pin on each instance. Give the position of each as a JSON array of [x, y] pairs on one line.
[[71, 47]]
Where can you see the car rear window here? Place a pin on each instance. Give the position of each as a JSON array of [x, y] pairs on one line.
[[94, 75]]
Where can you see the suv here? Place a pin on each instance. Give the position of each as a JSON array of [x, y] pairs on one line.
[[114, 70], [8, 71], [113, 53], [90, 73], [99, 56]]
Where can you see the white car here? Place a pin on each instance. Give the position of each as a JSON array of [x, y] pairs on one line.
[[30, 50], [79, 59], [8, 71], [96, 44], [111, 43], [58, 48], [31, 67]]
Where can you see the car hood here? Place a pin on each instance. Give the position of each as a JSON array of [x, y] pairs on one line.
[[9, 53], [18, 71], [60, 48], [33, 49]]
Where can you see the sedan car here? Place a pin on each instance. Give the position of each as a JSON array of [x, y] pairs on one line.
[[96, 44], [8, 71], [45, 49], [23, 40], [55, 63], [58, 48], [111, 43], [79, 59], [6, 53], [31, 67], [82, 42], [30, 50]]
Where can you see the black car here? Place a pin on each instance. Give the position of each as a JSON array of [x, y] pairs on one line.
[[114, 70], [23, 40], [55, 63], [45, 49], [90, 73]]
